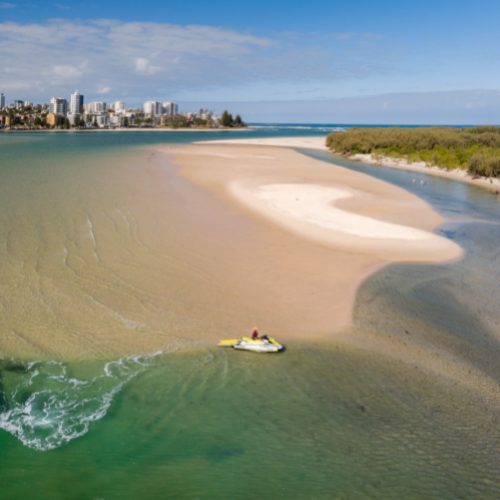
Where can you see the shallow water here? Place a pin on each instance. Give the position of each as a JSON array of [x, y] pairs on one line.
[[327, 419]]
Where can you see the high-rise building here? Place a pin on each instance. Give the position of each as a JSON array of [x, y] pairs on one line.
[[18, 104], [58, 106], [28, 104], [155, 107], [96, 107], [2, 101], [76, 103], [170, 108], [118, 106]]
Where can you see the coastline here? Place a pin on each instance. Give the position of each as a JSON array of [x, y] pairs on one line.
[[319, 144], [422, 167]]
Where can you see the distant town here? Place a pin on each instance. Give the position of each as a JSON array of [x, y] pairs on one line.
[[63, 114]]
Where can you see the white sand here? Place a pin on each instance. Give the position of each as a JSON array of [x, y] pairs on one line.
[[288, 142], [316, 205]]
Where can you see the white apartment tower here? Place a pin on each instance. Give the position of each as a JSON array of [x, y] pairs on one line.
[[118, 106], [76, 103], [59, 106], [170, 108], [96, 107], [2, 101], [155, 107]]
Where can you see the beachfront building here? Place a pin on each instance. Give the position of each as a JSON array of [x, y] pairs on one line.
[[76, 103], [103, 120], [54, 119], [73, 117], [118, 119], [96, 107], [58, 106], [170, 108], [2, 101], [154, 107], [118, 106]]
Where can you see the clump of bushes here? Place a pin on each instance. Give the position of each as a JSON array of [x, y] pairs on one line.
[[476, 149]]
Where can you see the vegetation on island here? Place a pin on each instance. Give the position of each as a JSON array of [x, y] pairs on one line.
[[475, 149]]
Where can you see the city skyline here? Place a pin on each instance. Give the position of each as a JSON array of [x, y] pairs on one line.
[[191, 53]]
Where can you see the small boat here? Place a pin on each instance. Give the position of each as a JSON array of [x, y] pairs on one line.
[[265, 344]]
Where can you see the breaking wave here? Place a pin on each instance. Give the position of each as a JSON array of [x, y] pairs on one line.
[[46, 408]]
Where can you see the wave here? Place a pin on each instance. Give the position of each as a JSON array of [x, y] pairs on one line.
[[46, 408]]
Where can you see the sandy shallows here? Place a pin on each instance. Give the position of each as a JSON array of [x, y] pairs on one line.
[[286, 142], [126, 253], [318, 230]]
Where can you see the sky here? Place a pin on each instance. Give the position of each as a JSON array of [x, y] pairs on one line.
[[437, 61]]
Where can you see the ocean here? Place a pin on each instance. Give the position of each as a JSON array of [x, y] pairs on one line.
[[402, 404]]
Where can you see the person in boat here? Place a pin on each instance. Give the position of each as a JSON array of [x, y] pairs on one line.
[[255, 334]]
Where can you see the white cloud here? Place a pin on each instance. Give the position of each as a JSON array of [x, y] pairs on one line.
[[103, 89], [4, 5], [143, 59]]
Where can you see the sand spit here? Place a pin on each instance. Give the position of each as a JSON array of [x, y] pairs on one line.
[[320, 144], [324, 228], [285, 142]]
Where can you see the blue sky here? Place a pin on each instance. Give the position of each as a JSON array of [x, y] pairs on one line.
[[199, 51]]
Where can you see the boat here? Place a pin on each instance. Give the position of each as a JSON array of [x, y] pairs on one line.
[[266, 344]]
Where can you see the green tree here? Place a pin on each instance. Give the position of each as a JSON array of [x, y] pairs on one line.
[[95, 121], [125, 122], [11, 118], [66, 123], [238, 122], [226, 120]]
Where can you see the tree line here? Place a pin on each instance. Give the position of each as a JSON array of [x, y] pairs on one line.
[[226, 120], [476, 149]]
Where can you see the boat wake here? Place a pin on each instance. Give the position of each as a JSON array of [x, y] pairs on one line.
[[45, 408]]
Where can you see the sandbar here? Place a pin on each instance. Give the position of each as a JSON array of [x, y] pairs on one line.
[[319, 143], [325, 229]]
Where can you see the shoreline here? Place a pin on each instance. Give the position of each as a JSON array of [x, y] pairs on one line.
[[319, 144], [422, 167]]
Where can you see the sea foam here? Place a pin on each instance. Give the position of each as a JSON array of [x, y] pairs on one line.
[[45, 408]]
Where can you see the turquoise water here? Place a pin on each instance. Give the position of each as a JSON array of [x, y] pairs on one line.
[[329, 419]]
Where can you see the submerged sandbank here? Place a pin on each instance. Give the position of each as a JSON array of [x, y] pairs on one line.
[[126, 253]]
